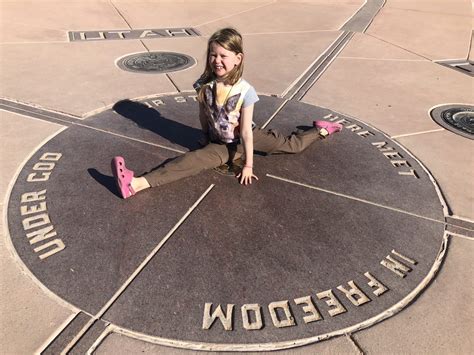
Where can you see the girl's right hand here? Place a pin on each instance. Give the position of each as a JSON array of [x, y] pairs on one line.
[[246, 175]]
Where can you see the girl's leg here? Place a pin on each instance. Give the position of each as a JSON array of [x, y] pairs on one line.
[[188, 164], [273, 142]]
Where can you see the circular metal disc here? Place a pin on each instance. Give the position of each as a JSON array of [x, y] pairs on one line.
[[458, 119], [156, 62]]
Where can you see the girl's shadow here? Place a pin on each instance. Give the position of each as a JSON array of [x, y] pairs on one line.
[[152, 120], [105, 180]]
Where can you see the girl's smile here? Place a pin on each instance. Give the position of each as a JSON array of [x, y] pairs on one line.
[[222, 61]]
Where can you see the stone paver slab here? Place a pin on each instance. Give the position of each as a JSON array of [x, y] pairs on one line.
[[453, 7], [289, 17], [24, 303], [449, 158], [395, 96], [274, 73], [89, 78], [158, 14], [441, 320], [14, 151], [53, 19], [434, 29], [367, 47], [118, 344]]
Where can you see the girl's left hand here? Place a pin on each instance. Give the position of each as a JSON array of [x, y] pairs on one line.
[[246, 175]]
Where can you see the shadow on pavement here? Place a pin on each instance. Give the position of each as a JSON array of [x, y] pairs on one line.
[[105, 180], [152, 120]]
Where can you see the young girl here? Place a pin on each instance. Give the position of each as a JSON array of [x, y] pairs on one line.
[[226, 103]]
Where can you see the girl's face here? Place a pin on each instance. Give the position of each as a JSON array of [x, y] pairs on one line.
[[222, 61]]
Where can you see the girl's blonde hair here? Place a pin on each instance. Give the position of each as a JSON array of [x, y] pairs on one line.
[[230, 39]]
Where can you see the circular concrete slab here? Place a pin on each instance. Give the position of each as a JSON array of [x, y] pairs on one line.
[[327, 241]]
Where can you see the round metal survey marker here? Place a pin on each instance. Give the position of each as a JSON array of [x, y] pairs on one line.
[[156, 62]]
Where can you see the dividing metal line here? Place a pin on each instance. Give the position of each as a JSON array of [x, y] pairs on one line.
[[319, 66], [359, 22], [274, 114], [137, 271], [34, 111], [364, 17], [303, 84], [357, 199], [68, 121]]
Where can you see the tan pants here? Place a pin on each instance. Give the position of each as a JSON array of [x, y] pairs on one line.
[[214, 154]]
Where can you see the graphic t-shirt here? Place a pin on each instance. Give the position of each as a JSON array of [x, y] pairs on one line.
[[223, 105]]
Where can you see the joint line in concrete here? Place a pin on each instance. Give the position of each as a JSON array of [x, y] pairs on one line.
[[235, 14], [398, 46], [417, 133], [137, 271], [319, 66], [291, 91], [457, 235], [357, 199], [355, 344], [173, 83], [120, 14], [325, 65], [276, 113], [69, 122]]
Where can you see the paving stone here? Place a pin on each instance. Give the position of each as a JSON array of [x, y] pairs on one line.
[[440, 151], [121, 344], [367, 48], [274, 74], [441, 320], [53, 19], [24, 306], [285, 17], [91, 81], [176, 14], [434, 29], [14, 151], [381, 86]]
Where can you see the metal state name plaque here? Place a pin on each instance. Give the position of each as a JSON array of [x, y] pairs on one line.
[[328, 241]]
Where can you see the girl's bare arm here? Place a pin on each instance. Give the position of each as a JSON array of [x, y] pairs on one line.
[[246, 117]]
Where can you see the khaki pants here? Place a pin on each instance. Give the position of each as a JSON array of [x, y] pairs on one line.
[[214, 154]]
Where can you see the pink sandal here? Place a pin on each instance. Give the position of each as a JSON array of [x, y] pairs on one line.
[[330, 127], [123, 177]]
